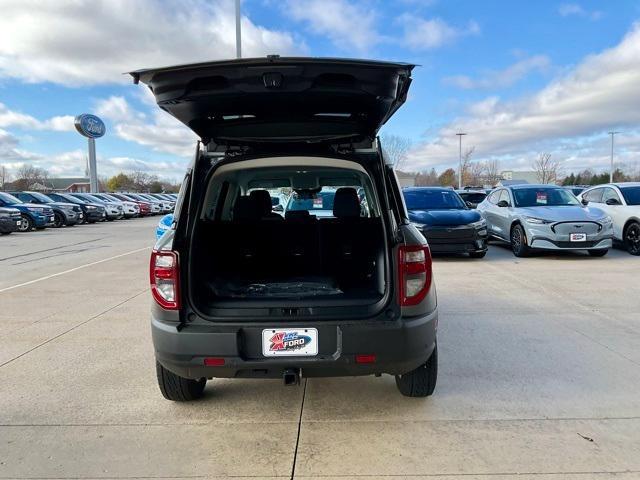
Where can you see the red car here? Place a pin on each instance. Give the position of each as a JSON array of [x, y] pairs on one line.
[[145, 207]]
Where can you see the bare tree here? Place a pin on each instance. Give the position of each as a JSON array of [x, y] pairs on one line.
[[546, 169], [28, 175], [141, 181], [466, 166], [475, 173], [396, 149], [492, 172]]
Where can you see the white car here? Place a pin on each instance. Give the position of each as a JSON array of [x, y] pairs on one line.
[[621, 201]]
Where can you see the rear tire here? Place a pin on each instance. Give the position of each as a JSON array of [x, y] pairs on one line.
[[519, 241], [477, 254], [176, 388], [631, 238], [598, 253], [420, 382]]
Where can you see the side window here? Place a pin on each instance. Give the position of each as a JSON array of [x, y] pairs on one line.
[[594, 195], [608, 194], [504, 195], [495, 196], [181, 196]]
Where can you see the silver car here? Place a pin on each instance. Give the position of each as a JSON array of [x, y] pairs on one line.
[[545, 217]]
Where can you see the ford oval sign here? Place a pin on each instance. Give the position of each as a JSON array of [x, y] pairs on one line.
[[89, 125]]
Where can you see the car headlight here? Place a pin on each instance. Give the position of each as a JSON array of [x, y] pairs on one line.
[[537, 221], [482, 223], [90, 207], [35, 210], [606, 220]]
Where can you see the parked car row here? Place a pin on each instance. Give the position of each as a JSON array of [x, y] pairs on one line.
[[24, 211], [528, 217]]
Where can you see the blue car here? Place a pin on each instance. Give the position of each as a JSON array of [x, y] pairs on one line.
[[33, 215], [164, 225], [446, 221]]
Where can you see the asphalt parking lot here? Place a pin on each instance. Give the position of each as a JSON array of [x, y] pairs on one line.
[[539, 377]]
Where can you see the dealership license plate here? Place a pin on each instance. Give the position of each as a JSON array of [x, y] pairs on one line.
[[283, 342], [578, 237], [18, 222]]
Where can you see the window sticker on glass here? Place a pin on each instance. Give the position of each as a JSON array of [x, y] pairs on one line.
[[541, 198], [317, 202]]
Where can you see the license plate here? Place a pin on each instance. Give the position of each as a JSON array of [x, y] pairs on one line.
[[19, 222], [283, 342], [51, 219], [578, 237]]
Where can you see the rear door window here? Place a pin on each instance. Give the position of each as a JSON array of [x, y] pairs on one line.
[[609, 194]]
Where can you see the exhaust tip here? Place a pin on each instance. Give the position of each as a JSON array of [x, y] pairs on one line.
[[291, 376]]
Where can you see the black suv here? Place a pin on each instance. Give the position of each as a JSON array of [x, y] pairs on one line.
[[243, 291]]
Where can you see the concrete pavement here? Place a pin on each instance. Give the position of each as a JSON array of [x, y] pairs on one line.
[[539, 377]]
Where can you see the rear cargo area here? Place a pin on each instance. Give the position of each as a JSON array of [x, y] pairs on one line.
[[331, 254]]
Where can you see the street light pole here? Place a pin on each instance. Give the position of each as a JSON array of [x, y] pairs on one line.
[[460, 160], [238, 32], [611, 168]]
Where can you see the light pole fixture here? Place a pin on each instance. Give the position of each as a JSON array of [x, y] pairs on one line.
[[460, 160], [612, 133]]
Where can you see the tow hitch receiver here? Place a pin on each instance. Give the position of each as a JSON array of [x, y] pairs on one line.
[[291, 376]]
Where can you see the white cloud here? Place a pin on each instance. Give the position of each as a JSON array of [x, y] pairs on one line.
[[503, 78], [347, 25], [569, 9], [158, 130], [94, 42], [598, 94], [10, 118], [426, 34]]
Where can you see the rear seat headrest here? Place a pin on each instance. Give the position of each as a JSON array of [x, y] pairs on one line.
[[245, 209], [346, 203], [262, 201]]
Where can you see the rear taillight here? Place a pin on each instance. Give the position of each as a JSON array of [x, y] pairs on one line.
[[165, 279], [415, 274]]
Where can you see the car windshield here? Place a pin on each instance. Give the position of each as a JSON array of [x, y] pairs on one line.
[[544, 197], [323, 200], [631, 195], [69, 198], [40, 197], [433, 200], [7, 198]]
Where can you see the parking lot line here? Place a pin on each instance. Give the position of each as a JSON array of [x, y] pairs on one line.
[[6, 289]]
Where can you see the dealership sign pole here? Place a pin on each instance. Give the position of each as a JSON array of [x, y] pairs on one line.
[[91, 127]]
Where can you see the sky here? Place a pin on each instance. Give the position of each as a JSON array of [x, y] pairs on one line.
[[520, 78]]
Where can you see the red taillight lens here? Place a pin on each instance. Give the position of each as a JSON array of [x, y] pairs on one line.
[[415, 274], [214, 362], [365, 358], [165, 279]]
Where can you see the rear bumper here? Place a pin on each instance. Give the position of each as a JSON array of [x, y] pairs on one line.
[[399, 346]]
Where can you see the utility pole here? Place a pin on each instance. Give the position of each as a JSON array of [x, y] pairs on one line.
[[238, 32], [460, 160], [611, 169]]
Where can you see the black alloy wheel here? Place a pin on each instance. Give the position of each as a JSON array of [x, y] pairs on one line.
[[58, 220], [519, 241], [632, 238]]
